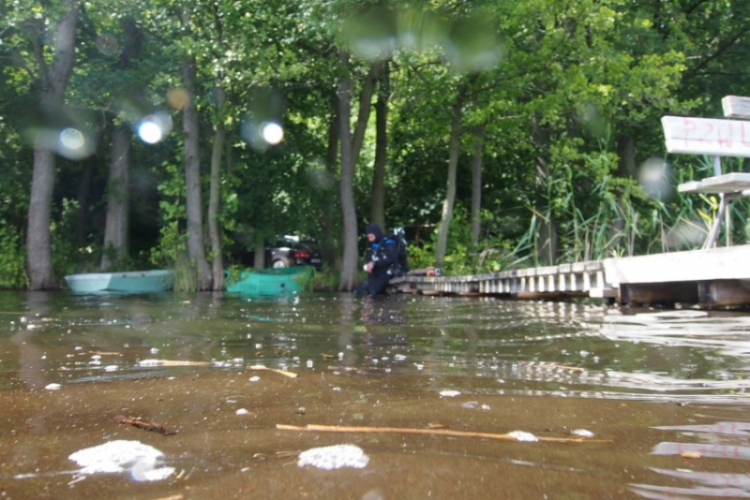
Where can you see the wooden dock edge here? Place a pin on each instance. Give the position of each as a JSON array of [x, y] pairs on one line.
[[711, 278]]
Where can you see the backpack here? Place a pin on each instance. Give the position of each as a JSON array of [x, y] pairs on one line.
[[403, 250]]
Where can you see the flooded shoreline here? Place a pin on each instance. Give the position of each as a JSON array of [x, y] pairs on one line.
[[659, 401]]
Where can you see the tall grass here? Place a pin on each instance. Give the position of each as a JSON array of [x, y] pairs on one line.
[[616, 217]]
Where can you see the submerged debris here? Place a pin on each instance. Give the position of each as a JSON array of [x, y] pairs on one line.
[[143, 424]]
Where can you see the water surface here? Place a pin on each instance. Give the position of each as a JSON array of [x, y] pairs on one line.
[[660, 395]]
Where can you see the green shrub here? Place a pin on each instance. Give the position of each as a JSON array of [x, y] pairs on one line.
[[12, 259]]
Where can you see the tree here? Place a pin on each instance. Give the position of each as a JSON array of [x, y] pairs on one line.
[[350, 262], [52, 82], [195, 243], [377, 205], [118, 197]]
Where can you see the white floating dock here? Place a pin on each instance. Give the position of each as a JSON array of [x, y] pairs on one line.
[[709, 278]]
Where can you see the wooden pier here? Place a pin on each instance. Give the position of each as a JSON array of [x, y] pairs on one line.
[[709, 278]]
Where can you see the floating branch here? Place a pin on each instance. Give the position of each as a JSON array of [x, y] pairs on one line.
[[172, 362], [511, 436], [143, 424], [565, 367], [280, 372]]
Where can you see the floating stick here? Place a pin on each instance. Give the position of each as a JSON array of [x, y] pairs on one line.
[[434, 432], [565, 367], [280, 372], [172, 362], [143, 424]]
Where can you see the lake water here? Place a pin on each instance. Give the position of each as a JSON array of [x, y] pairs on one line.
[[574, 400]]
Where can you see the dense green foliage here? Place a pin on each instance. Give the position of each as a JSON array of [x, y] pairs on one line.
[[567, 95]]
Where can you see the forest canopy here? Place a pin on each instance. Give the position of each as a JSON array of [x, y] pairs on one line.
[[186, 134]]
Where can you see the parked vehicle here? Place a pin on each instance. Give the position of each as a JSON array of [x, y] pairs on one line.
[[291, 251], [285, 251]]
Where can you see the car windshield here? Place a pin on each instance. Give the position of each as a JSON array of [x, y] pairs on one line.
[[308, 245]]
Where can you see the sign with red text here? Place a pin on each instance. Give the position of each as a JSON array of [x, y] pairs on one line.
[[706, 136]]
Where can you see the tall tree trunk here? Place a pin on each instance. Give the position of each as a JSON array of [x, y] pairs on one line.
[[196, 250], [351, 254], [377, 207], [476, 186], [84, 200], [217, 263], [329, 242], [365, 106], [259, 250], [626, 155], [450, 188], [54, 81], [118, 199]]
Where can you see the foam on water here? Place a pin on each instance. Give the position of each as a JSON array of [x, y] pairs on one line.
[[334, 457], [141, 460]]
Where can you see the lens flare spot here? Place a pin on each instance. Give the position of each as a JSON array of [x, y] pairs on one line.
[[653, 176], [149, 132], [107, 44], [272, 133], [686, 234], [72, 138], [70, 143], [261, 136], [153, 128], [178, 98]]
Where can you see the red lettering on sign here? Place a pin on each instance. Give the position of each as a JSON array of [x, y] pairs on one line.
[[707, 137], [724, 141], [690, 126]]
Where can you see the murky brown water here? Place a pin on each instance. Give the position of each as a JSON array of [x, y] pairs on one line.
[[663, 394]]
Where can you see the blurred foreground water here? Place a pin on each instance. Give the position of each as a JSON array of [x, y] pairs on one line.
[[654, 403]]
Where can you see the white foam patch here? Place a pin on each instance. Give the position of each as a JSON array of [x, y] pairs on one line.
[[334, 457], [448, 393], [141, 460], [523, 436], [583, 433]]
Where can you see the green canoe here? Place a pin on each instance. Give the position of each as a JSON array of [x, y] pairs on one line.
[[271, 282]]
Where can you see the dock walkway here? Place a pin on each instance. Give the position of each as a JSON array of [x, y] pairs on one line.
[[714, 277]]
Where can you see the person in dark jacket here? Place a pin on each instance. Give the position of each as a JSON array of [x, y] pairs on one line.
[[380, 261]]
